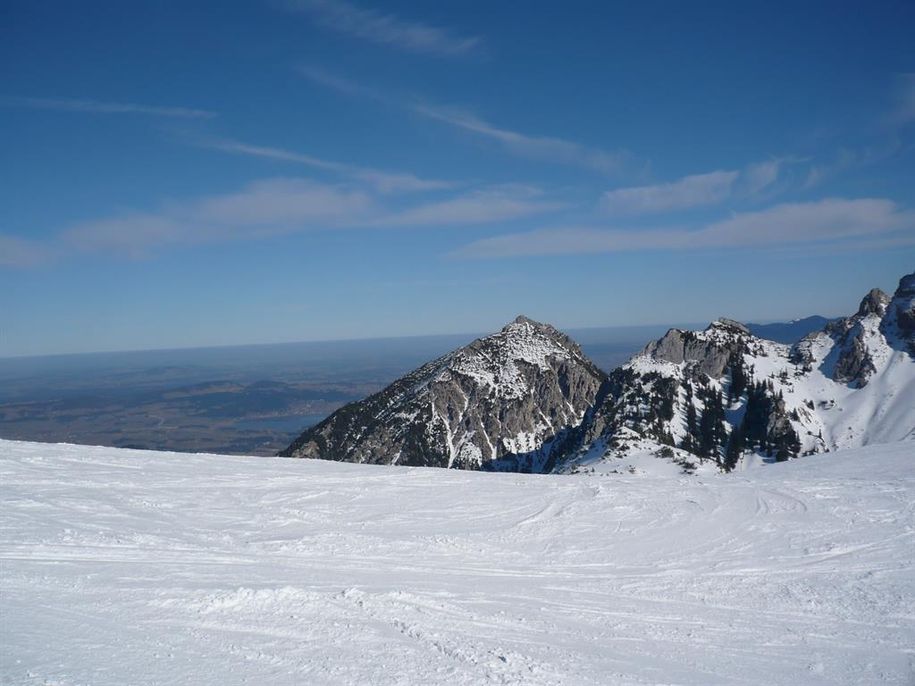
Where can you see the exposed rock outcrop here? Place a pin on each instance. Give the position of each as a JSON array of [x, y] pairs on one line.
[[500, 402], [721, 393], [709, 350], [899, 322], [853, 362]]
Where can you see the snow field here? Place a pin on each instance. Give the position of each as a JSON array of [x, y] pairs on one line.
[[131, 567]]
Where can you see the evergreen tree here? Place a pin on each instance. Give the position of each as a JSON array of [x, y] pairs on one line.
[[738, 378], [787, 445], [756, 417], [712, 432], [689, 441], [735, 449]]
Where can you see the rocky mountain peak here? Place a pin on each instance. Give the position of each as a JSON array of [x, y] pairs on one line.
[[522, 319], [906, 286], [874, 302], [527, 326], [719, 393], [899, 320], [500, 401], [708, 351], [522, 332], [729, 325], [859, 341]]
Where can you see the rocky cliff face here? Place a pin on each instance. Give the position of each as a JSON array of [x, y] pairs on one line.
[[898, 324], [708, 352], [686, 395], [721, 394], [501, 402], [854, 352]]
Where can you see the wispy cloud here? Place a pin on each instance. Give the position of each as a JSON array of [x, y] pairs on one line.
[[386, 29], [281, 206], [824, 221], [556, 150], [21, 252], [757, 177], [690, 191], [263, 208], [842, 159], [903, 113], [695, 190], [885, 139], [100, 107], [383, 181], [845, 159], [345, 86], [547, 148], [484, 206]]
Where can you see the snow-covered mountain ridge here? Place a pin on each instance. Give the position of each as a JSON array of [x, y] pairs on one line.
[[528, 399], [502, 397], [727, 396]]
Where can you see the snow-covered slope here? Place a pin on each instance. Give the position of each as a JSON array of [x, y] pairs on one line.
[[126, 567], [500, 401], [724, 396]]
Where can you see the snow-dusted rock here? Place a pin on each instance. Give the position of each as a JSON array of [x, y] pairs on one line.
[[899, 323], [499, 402], [851, 384]]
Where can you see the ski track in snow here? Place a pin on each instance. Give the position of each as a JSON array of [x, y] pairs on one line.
[[130, 567]]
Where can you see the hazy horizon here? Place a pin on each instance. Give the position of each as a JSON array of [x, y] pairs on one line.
[[636, 329], [366, 339]]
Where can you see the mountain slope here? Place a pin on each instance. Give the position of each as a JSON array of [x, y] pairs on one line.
[[722, 395], [499, 402]]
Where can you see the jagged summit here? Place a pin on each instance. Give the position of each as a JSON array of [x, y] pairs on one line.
[[710, 349], [874, 302], [898, 323], [522, 319], [729, 325], [503, 398], [851, 349], [722, 393], [525, 326]]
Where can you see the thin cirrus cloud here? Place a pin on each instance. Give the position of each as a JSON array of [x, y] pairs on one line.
[[386, 29], [21, 252], [261, 209], [547, 148], [281, 206], [495, 204], [823, 221], [903, 113], [537, 147], [695, 190], [101, 107], [383, 181], [690, 191]]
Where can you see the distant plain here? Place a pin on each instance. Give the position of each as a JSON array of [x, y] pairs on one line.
[[237, 400]]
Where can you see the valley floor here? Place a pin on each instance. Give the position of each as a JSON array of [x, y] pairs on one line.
[[129, 567]]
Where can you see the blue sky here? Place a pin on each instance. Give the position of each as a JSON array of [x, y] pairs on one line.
[[199, 173]]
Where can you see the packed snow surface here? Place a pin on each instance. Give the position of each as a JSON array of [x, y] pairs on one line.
[[128, 567]]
